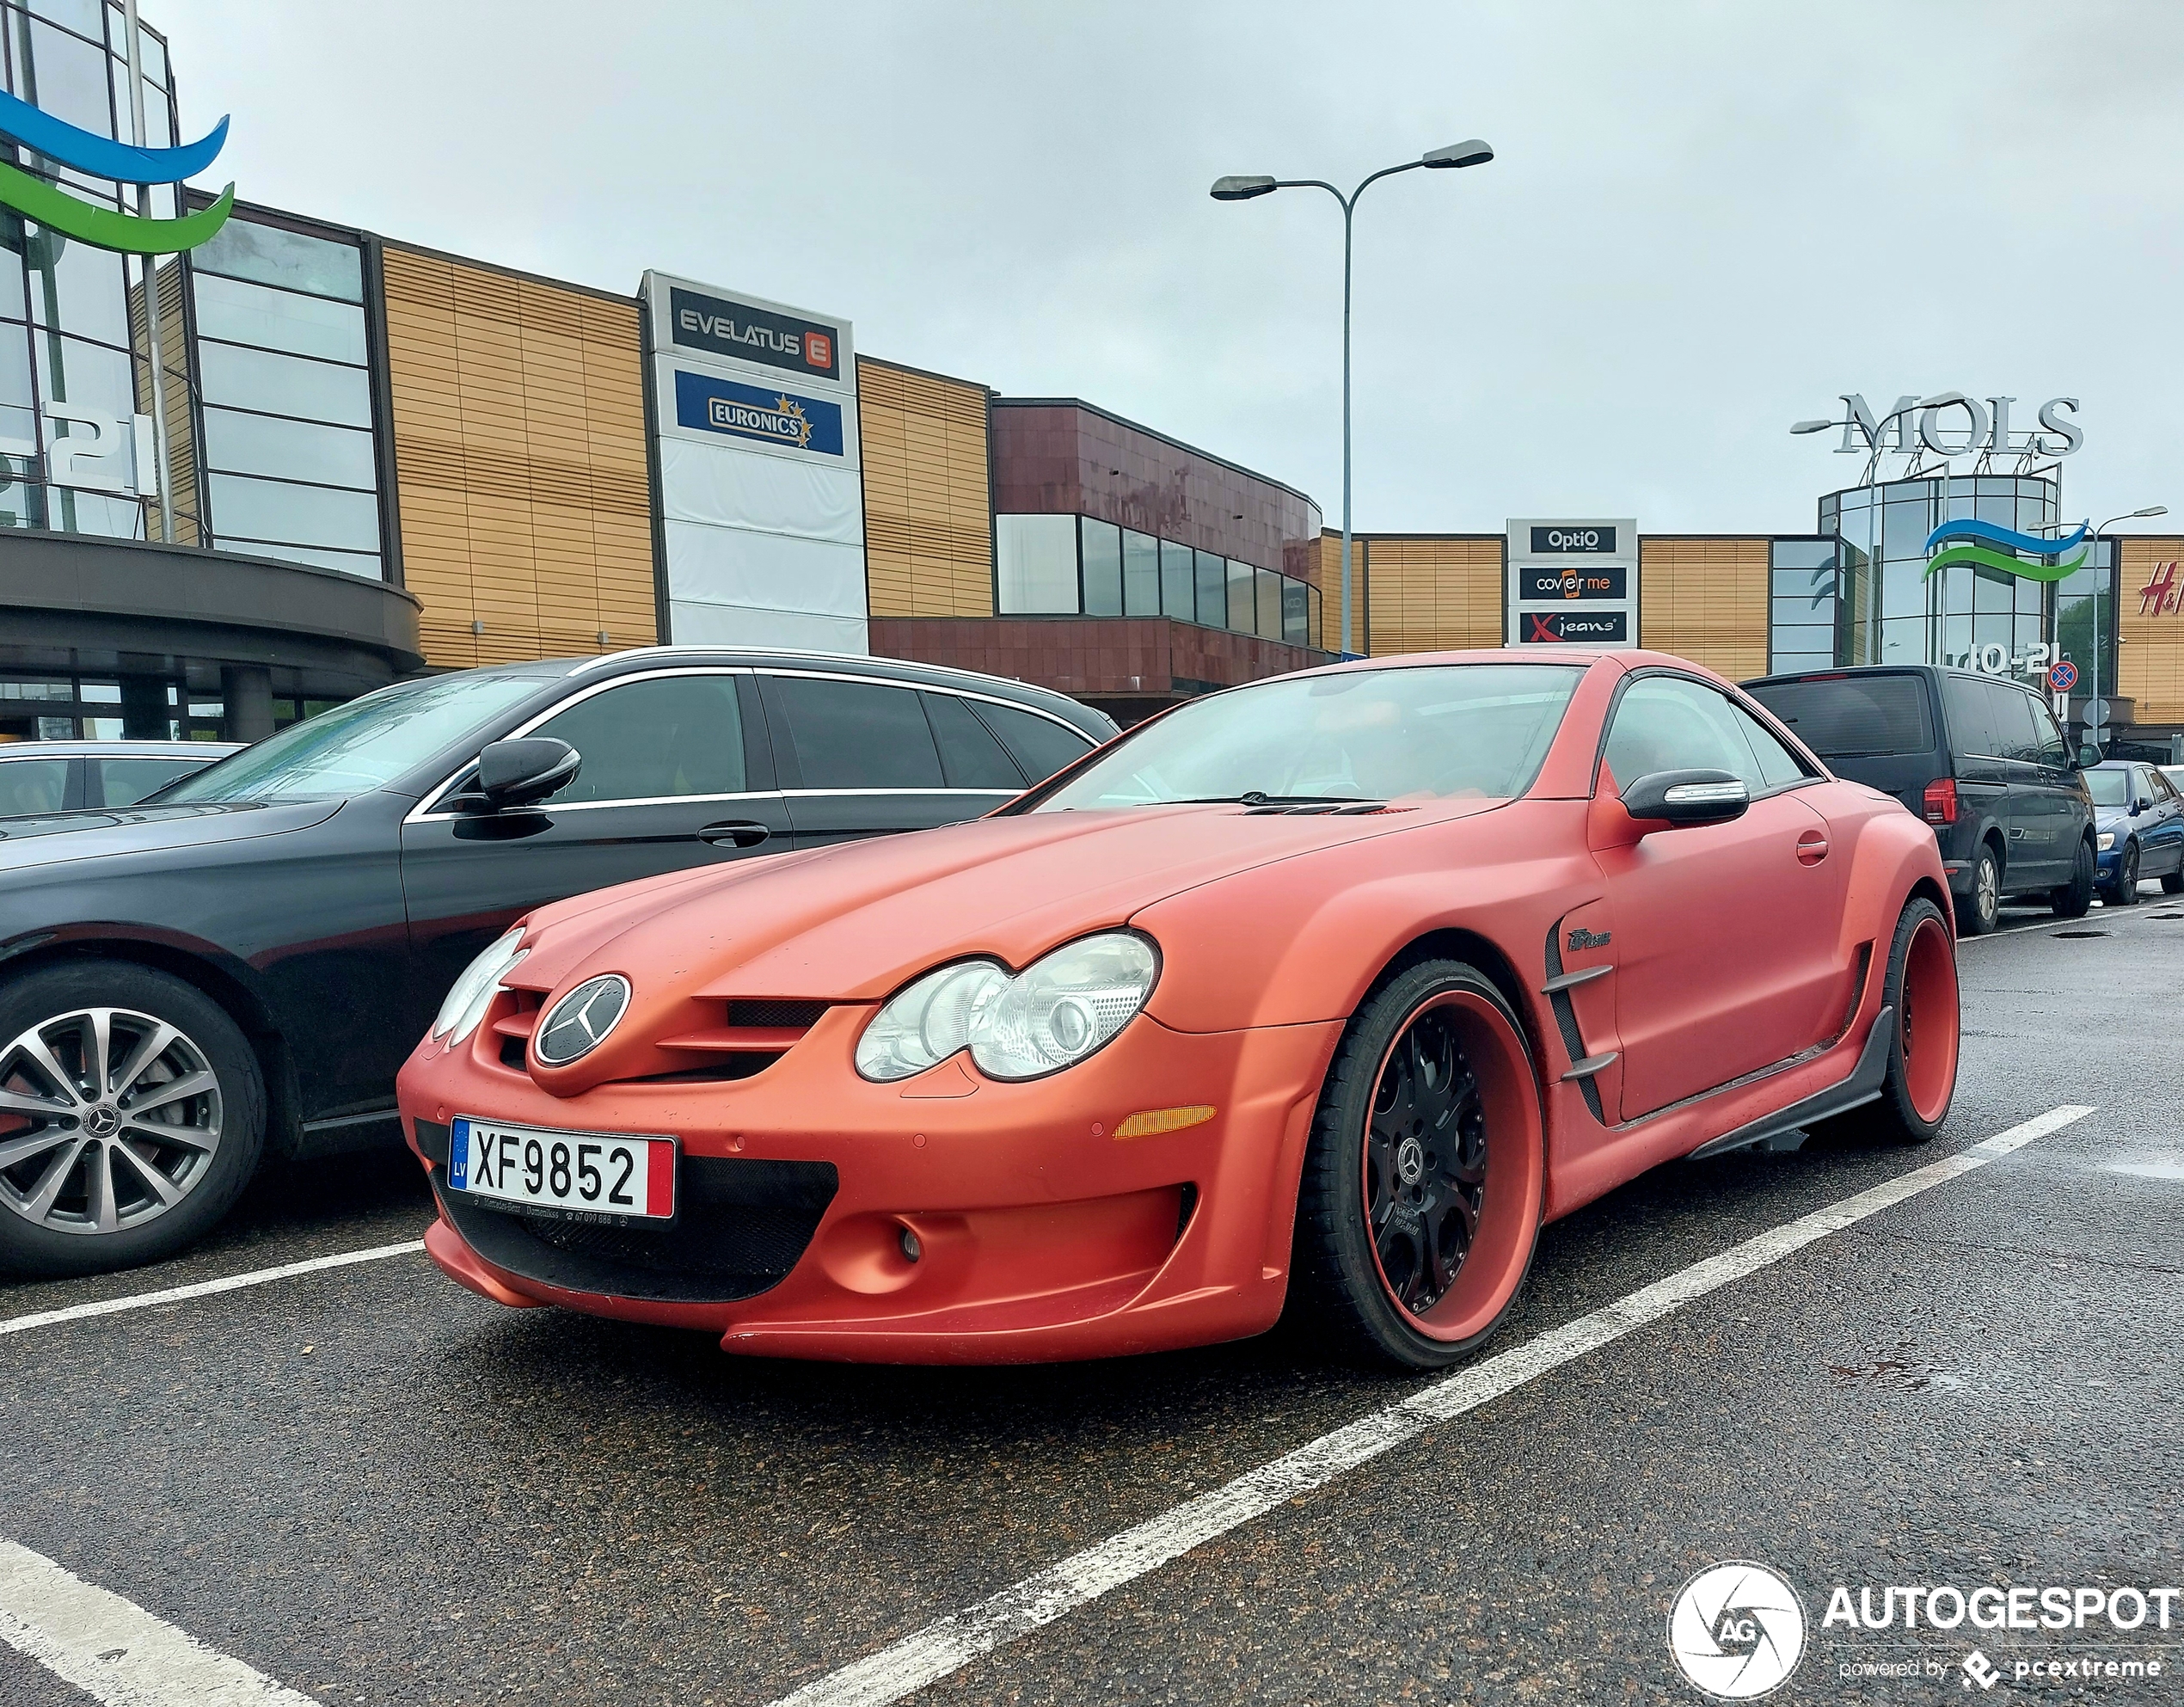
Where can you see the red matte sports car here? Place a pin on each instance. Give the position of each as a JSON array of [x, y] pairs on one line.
[[1323, 993]]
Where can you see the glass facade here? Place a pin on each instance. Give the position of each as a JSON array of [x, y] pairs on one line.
[[1073, 566], [1890, 610], [75, 363], [285, 396], [268, 412], [1804, 579]]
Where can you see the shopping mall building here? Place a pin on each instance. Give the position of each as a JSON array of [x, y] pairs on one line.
[[360, 459]]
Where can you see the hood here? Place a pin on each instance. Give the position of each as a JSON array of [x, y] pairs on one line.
[[854, 922], [2105, 818], [47, 838]]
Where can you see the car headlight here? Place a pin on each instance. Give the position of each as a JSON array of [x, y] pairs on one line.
[[473, 993], [1061, 1008], [2108, 840]]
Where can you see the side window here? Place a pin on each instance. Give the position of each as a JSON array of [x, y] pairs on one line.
[[656, 739], [2052, 753], [2009, 713], [1039, 744], [1777, 763], [1668, 723], [2162, 791], [970, 756], [32, 785], [858, 734], [1971, 728], [127, 781]]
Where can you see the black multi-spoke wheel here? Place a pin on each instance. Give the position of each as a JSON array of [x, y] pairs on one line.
[[131, 1113], [1425, 1163], [1421, 1190]]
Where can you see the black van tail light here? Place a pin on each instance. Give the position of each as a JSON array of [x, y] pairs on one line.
[[1941, 801]]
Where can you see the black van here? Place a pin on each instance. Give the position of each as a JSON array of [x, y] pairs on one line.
[[1979, 758]]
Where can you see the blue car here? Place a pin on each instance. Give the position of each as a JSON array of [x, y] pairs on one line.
[[2139, 829]]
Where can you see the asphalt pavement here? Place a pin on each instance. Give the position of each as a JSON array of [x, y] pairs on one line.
[[371, 1486]]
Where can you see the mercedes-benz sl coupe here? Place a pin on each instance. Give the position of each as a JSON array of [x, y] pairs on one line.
[[1319, 994]]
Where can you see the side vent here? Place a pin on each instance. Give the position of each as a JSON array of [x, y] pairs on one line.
[[515, 1017]]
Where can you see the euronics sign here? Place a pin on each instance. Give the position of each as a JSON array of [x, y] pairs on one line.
[[1572, 582], [761, 489]]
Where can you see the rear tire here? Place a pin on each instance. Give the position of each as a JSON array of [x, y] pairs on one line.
[[1984, 905], [1920, 1081], [133, 1111], [2125, 892], [1424, 1178], [2075, 899]]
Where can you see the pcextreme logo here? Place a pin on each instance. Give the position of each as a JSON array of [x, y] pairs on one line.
[[1984, 537], [101, 156]]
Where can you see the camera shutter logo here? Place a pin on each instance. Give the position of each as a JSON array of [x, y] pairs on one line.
[[581, 1018], [1737, 1631]]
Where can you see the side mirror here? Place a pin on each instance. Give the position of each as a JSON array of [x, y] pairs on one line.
[[520, 772], [2137, 807], [1681, 798], [2088, 756]]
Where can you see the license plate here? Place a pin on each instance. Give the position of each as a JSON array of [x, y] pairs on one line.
[[584, 1175]]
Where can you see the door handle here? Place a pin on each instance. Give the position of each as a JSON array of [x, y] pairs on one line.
[[742, 834], [1812, 848]]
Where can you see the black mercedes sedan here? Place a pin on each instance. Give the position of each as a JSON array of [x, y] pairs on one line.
[[235, 968]]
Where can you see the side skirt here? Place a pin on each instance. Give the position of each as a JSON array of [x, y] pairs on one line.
[[1863, 1086]]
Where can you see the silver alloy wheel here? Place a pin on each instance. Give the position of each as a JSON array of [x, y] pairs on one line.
[[108, 1119], [1989, 900]]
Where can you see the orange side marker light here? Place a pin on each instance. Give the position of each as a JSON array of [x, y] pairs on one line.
[[1153, 1122]]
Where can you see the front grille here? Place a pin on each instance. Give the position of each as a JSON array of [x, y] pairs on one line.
[[740, 1226], [800, 1015]]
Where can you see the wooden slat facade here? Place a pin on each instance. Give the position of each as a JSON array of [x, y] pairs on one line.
[[1425, 592], [927, 502], [2151, 627], [519, 447], [1705, 600]]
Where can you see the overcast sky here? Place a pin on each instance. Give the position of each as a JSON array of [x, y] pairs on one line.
[[1704, 221]]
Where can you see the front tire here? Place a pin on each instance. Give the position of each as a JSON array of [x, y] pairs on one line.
[[1983, 906], [2125, 893], [1423, 1180], [2075, 899], [132, 1114]]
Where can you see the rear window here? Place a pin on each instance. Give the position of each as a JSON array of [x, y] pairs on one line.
[[1854, 717]]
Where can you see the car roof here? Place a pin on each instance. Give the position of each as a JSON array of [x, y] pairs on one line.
[[124, 749]]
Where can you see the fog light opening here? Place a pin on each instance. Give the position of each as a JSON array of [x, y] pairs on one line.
[[912, 1248]]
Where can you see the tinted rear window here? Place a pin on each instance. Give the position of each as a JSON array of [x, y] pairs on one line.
[[1854, 717], [1039, 744], [859, 735]]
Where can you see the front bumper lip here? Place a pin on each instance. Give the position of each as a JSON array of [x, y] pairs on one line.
[[1040, 1235]]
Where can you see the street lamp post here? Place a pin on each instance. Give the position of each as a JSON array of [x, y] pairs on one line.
[[1472, 153], [2100, 575]]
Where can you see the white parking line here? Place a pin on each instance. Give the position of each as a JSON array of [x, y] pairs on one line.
[[947, 1645], [113, 1649], [2108, 916], [256, 1277]]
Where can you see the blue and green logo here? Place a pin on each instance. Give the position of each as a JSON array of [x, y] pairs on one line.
[[1986, 546], [102, 158]]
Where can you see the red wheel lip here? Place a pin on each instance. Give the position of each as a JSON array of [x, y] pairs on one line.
[[1931, 994], [1470, 1308]]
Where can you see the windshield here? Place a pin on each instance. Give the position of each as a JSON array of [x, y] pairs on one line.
[[2108, 786], [356, 747], [1441, 731]]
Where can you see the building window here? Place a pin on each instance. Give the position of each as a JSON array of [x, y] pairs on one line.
[[1178, 597], [1036, 563], [1050, 565], [291, 467], [1105, 555], [1803, 605]]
